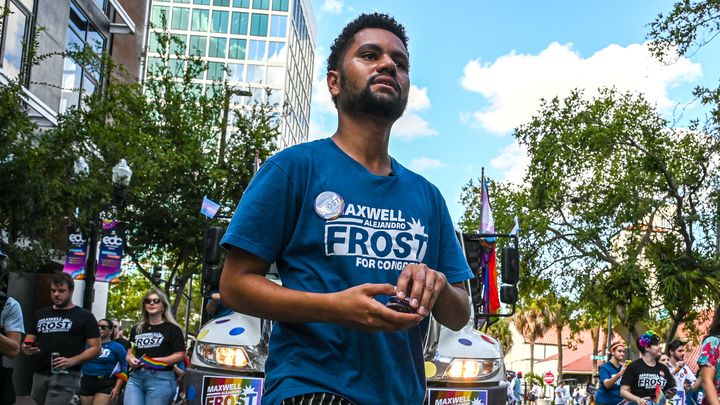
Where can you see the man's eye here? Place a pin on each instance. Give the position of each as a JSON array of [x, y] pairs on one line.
[[368, 56]]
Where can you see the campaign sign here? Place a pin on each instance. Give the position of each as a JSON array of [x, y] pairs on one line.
[[76, 254], [112, 245], [678, 399], [457, 397], [232, 391]]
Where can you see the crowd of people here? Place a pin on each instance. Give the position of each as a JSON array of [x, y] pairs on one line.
[[657, 377], [77, 357]]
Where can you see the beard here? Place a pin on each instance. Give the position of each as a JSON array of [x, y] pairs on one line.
[[365, 101], [64, 303]]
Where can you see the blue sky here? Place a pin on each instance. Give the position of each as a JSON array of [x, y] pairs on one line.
[[479, 69]]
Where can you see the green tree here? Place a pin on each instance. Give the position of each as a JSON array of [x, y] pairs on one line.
[[533, 321]]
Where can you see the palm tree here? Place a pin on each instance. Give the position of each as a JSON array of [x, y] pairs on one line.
[[532, 322]]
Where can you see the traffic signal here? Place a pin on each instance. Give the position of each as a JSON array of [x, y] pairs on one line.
[[509, 294], [510, 265]]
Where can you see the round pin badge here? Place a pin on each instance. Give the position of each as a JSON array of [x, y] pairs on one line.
[[329, 205]]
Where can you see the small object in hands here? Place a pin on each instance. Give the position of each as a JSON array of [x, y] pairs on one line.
[[30, 343], [628, 362], [400, 305], [53, 369]]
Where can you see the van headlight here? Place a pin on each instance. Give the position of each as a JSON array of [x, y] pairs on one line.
[[471, 368], [223, 355]]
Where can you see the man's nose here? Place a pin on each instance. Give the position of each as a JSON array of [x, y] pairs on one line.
[[387, 65]]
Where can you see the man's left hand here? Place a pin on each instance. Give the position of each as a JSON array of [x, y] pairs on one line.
[[63, 362], [422, 285]]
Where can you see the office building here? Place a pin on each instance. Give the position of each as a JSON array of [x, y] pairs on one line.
[[253, 44]]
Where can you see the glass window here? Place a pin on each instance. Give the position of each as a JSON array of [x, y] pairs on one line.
[[276, 52], [237, 48], [197, 45], [200, 17], [183, 1], [223, 3], [259, 25], [70, 92], [241, 3], [154, 45], [15, 38], [278, 26], [275, 76], [180, 18], [217, 47], [177, 67], [178, 43], [261, 4], [239, 23], [237, 72], [220, 21], [280, 5], [202, 2], [255, 74], [157, 12], [256, 50], [216, 71], [155, 66], [275, 95]]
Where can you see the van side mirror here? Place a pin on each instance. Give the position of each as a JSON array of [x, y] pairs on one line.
[[510, 265], [509, 294]]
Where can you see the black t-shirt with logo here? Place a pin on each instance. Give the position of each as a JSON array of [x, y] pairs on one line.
[[62, 331], [643, 379], [157, 340]]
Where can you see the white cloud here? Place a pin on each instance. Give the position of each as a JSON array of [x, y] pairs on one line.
[[411, 125], [333, 6], [424, 163], [513, 162], [514, 83]]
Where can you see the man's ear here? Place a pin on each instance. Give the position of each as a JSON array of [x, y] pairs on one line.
[[333, 82]]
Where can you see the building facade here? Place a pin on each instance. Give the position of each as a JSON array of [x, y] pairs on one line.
[[254, 45], [59, 82]]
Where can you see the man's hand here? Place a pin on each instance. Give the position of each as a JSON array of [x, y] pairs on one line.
[[63, 362], [30, 349], [422, 285], [357, 308]]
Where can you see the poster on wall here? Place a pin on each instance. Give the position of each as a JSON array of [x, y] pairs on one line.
[[76, 255], [112, 245]]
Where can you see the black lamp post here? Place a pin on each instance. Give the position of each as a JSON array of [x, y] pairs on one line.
[[121, 175]]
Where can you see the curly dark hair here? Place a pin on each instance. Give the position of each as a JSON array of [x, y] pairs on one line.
[[374, 20]]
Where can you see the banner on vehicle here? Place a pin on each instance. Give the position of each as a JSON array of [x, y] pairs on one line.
[[76, 255], [457, 397], [232, 391], [112, 245]]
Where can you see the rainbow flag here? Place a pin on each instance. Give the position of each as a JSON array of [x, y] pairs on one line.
[[659, 397], [119, 372], [488, 257], [152, 363]]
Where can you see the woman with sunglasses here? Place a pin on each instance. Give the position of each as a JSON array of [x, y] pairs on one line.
[[157, 344], [102, 380]]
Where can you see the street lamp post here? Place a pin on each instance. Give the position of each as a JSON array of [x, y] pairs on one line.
[[121, 175]]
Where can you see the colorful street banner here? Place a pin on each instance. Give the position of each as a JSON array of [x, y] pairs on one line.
[[457, 397], [232, 390], [112, 245], [209, 207], [76, 255]]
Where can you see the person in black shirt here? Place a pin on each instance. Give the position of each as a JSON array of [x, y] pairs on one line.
[[157, 345], [642, 377], [68, 330]]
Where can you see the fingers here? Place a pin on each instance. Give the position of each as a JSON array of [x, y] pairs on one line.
[[425, 286], [372, 290]]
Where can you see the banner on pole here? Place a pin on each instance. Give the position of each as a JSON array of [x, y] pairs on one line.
[[76, 255], [112, 245]]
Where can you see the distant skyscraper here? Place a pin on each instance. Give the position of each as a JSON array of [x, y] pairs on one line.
[[262, 43]]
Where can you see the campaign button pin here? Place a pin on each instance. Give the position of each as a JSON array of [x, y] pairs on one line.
[[329, 205]]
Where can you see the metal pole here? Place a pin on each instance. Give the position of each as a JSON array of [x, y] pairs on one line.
[[609, 333], [187, 308], [90, 268]]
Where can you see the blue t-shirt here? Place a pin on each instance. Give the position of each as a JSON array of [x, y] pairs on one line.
[[11, 319], [110, 360], [611, 396], [386, 222]]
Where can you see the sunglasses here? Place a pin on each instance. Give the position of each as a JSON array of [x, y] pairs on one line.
[[152, 301], [104, 327]]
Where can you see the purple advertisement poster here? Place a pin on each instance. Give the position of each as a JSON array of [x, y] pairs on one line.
[[76, 256], [112, 245]]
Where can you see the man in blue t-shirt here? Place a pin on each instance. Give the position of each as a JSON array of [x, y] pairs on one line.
[[349, 228], [610, 375]]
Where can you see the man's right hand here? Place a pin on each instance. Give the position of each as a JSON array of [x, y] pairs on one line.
[[358, 309], [29, 348]]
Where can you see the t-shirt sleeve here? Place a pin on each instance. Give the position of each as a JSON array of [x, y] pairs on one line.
[[452, 260], [120, 352], [132, 338], [266, 215], [91, 329], [710, 352], [12, 319], [630, 376], [670, 380], [604, 374], [689, 375], [177, 341]]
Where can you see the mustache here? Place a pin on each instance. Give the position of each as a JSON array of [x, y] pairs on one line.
[[374, 77]]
